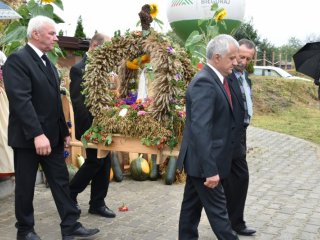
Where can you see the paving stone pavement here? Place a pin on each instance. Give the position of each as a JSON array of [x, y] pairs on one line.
[[283, 200]]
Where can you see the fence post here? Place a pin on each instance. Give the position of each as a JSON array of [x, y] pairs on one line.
[[255, 58], [272, 58], [280, 64], [285, 66]]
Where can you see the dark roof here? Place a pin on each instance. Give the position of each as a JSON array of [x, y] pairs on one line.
[[73, 43]]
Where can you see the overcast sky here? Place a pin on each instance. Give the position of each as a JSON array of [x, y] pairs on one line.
[[276, 20]]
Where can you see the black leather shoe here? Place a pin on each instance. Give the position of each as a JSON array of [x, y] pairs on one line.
[[29, 236], [103, 211], [81, 233], [245, 231]]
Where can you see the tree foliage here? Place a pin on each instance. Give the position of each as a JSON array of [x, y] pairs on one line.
[[60, 33], [289, 49], [246, 30], [79, 33], [268, 48], [15, 33]]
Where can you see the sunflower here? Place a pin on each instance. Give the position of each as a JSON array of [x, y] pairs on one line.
[[220, 14], [154, 10], [135, 63], [47, 1], [132, 65], [145, 59]]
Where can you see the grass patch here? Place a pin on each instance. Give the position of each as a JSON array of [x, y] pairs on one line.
[[297, 121], [287, 106]]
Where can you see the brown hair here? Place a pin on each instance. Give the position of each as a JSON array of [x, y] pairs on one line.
[[99, 39], [248, 43]]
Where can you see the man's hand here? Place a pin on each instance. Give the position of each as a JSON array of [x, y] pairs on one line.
[[42, 145], [212, 182]]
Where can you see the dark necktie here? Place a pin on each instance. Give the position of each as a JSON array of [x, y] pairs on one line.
[[46, 59], [226, 87], [49, 68]]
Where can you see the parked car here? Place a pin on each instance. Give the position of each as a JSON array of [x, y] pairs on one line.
[[271, 71]]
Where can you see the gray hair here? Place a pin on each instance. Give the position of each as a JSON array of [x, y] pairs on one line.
[[220, 45], [248, 43], [36, 23]]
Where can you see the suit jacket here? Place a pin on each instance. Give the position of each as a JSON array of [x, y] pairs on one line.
[[34, 100], [207, 138], [82, 116], [239, 111]]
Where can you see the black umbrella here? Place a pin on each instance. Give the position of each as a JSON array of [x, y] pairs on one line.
[[307, 60]]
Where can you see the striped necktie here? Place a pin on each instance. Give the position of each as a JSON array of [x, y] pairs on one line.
[[247, 92]]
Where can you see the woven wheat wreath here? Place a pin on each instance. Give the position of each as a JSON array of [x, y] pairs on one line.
[[157, 119]]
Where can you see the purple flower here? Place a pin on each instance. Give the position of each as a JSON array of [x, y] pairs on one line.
[[69, 124], [173, 101], [66, 154], [178, 76], [132, 97], [170, 50]]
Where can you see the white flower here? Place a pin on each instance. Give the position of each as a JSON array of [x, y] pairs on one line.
[[123, 112]]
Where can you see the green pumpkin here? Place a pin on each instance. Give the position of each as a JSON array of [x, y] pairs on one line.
[[153, 168], [139, 169], [115, 166], [170, 175]]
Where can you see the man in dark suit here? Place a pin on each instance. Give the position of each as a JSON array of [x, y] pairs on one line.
[[207, 140], [37, 130], [236, 185], [93, 169]]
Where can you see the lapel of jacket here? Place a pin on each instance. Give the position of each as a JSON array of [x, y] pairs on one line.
[[52, 78], [248, 79], [219, 83], [52, 75], [235, 88], [83, 63]]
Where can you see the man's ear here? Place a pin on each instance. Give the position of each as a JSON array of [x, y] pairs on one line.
[[35, 35], [216, 57]]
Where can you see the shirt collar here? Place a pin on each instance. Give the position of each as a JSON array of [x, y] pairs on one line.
[[37, 50], [221, 78], [239, 74]]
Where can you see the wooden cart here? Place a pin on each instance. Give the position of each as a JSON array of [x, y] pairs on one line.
[[119, 143]]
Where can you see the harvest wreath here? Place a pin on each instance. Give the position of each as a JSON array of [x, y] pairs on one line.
[[156, 120]]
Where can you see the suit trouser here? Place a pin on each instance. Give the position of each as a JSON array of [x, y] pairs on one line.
[[26, 163], [98, 172], [236, 185], [197, 196]]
